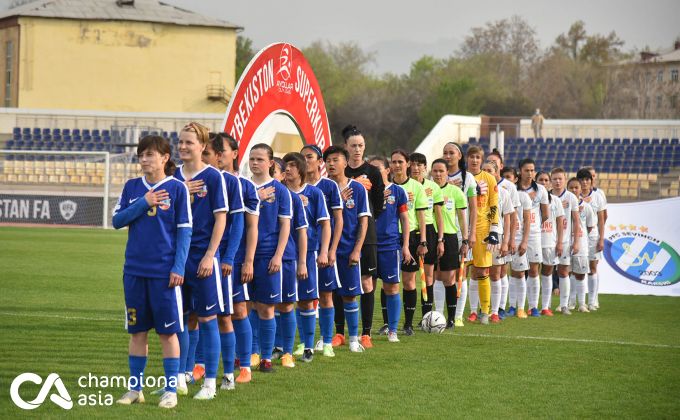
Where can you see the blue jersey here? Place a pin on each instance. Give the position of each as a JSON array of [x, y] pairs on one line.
[[235, 200], [276, 205], [251, 205], [387, 223], [314, 202], [331, 193], [355, 206], [152, 238], [212, 199], [298, 222]]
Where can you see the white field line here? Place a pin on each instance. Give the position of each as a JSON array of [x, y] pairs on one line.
[[570, 340], [496, 336]]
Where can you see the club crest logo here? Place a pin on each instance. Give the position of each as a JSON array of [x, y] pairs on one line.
[[165, 205], [391, 199], [203, 192], [637, 255], [304, 199], [68, 209], [349, 203]]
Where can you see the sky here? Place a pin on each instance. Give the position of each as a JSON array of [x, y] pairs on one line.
[[399, 31]]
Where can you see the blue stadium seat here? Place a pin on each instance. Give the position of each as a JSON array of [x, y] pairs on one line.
[[96, 132], [9, 144], [675, 142], [616, 142], [645, 142], [67, 138], [86, 132], [56, 131], [106, 139], [26, 130], [597, 141], [106, 133], [16, 130], [59, 146], [46, 131], [99, 147], [587, 141], [635, 142], [36, 131], [66, 132], [75, 132]]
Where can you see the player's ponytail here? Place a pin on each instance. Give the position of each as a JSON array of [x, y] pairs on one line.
[[162, 146]]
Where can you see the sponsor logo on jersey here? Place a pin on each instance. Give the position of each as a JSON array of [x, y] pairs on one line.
[[637, 255]]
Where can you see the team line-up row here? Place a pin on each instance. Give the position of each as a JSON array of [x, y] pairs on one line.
[[222, 265]]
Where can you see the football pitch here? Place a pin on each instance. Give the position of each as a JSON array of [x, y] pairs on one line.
[[62, 311]]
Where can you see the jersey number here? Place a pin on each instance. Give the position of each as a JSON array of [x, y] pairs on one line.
[[132, 315]]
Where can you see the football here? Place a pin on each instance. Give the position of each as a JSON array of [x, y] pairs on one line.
[[433, 322]]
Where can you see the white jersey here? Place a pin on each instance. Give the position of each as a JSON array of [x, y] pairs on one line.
[[538, 196], [511, 188], [604, 197], [469, 189], [569, 204], [598, 204], [504, 206], [588, 219], [549, 227], [525, 204]]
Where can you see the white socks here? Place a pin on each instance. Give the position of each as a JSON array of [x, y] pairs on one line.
[[439, 297], [521, 293], [533, 289], [460, 304], [512, 291], [495, 296], [504, 292], [572, 290], [581, 291], [565, 284], [593, 286], [210, 383], [473, 295], [546, 291], [181, 380]]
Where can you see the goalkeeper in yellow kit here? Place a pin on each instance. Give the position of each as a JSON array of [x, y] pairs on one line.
[[487, 238]]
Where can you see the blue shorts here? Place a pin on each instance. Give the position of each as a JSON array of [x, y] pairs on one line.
[[150, 303], [329, 279], [290, 284], [308, 289], [239, 291], [389, 266], [202, 295], [350, 277], [226, 295], [265, 287]]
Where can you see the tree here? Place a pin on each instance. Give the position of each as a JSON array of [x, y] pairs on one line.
[[512, 36], [580, 46], [244, 53]]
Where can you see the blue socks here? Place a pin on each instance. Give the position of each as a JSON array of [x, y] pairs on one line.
[[393, 311], [288, 325], [352, 318], [255, 325], [228, 341], [267, 332], [183, 338], [278, 340], [326, 318], [137, 365], [307, 326], [191, 355], [298, 318], [210, 339], [244, 340], [200, 360], [171, 367]]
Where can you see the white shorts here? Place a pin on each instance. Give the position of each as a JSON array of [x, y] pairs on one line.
[[518, 263], [593, 255], [549, 256], [497, 260], [565, 259], [579, 265], [534, 251]]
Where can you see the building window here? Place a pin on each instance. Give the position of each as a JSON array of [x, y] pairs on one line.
[[659, 102], [659, 76], [674, 75], [673, 99], [8, 73]]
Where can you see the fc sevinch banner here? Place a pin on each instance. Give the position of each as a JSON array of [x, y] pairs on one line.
[[641, 247]]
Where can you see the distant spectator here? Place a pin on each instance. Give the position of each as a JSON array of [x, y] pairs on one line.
[[537, 123]]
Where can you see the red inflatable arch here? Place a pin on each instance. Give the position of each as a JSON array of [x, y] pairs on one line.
[[278, 80]]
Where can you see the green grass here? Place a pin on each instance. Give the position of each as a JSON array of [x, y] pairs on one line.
[[61, 304]]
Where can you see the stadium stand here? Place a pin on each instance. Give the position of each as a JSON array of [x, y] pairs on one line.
[[630, 169]]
